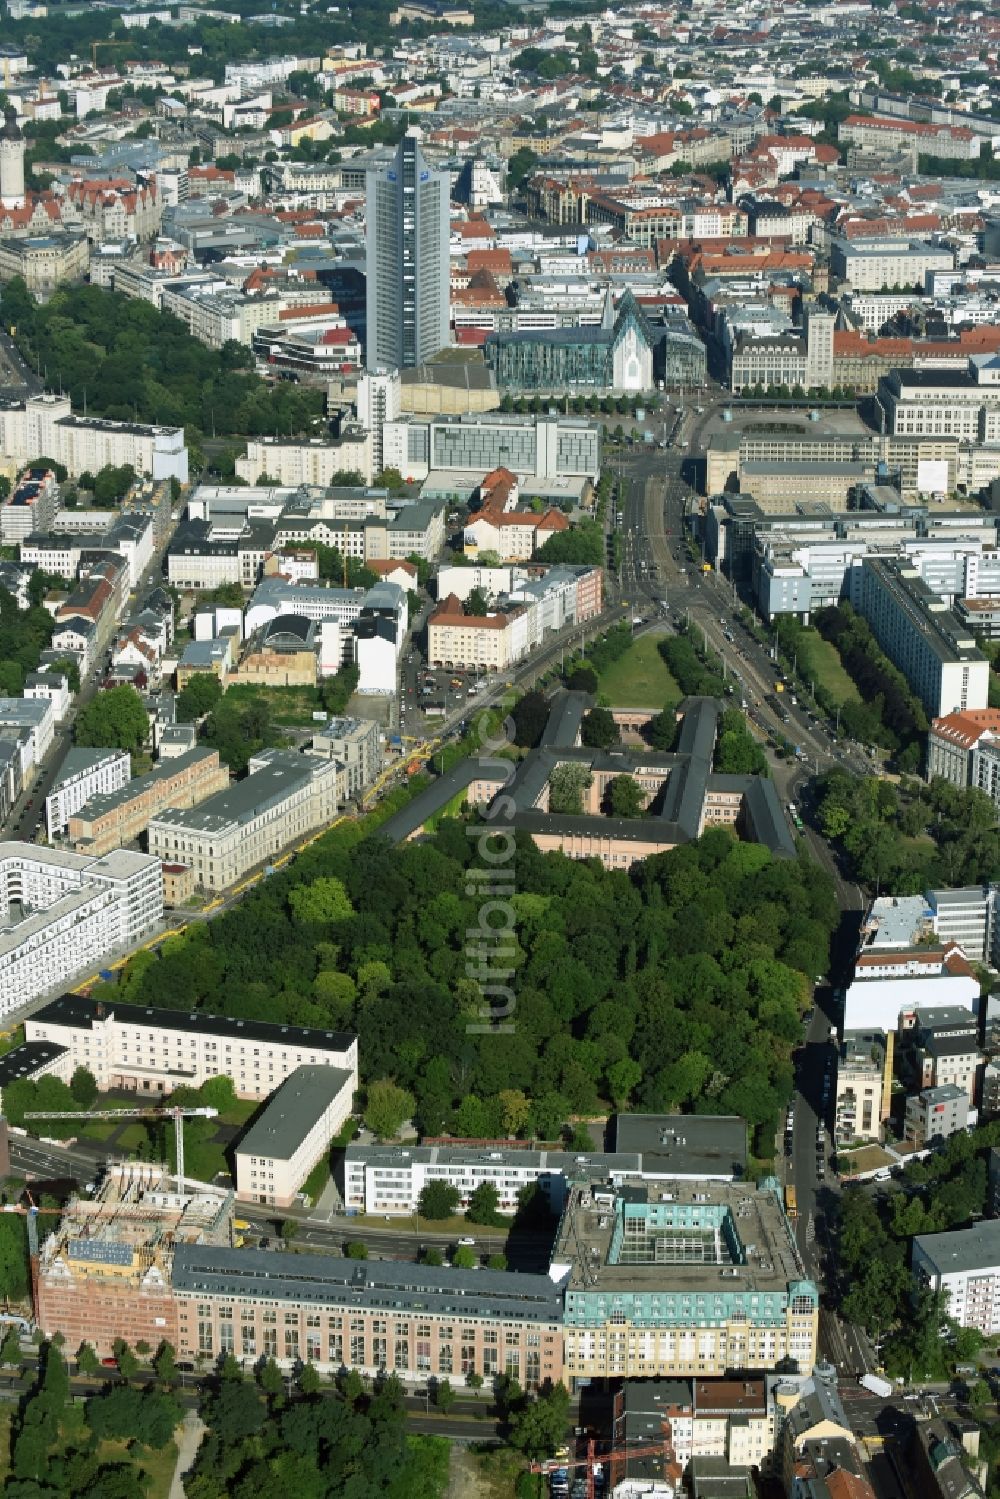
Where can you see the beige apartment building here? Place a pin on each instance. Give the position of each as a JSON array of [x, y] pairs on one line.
[[316, 462], [284, 797], [154, 1051], [488, 642], [418, 1322], [864, 1086], [294, 1130], [115, 818]]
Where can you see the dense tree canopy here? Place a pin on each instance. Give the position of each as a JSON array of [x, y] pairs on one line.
[[114, 719], [317, 1445], [24, 634], [910, 837], [125, 359]]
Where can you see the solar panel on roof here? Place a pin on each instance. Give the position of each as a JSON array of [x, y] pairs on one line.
[[100, 1251]]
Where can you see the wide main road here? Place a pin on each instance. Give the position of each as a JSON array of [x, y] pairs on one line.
[[654, 515]]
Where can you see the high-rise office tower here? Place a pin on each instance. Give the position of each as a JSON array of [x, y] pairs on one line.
[[407, 260]]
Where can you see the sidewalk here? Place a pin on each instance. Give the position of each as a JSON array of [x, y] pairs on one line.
[[192, 1431]]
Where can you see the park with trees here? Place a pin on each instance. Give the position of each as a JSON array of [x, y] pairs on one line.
[[710, 943], [874, 1286]]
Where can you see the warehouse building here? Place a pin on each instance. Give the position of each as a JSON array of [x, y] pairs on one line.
[[292, 1133]]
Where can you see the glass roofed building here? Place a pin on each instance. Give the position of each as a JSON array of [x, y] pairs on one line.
[[615, 354]]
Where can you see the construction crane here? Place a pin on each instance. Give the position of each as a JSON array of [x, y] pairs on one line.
[[594, 1460], [177, 1114]]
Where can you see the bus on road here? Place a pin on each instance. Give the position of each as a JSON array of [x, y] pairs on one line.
[[791, 1203]]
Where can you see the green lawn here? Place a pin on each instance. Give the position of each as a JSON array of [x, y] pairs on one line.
[[819, 662], [289, 706], [131, 1137], [241, 1110], [158, 1466], [640, 678]]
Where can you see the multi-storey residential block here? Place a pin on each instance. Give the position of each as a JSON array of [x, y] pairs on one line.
[[965, 1265], [147, 1050], [46, 424], [30, 506], [692, 1281], [864, 1079], [84, 773], [875, 134], [37, 717], [356, 745], [292, 1133], [283, 797], [925, 639], [116, 816], [79, 910], [875, 264], [936, 1113]]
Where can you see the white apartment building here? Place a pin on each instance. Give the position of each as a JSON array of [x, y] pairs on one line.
[[154, 1051], [378, 401], [965, 1264], [292, 1133], [63, 913], [922, 636], [284, 797], [386, 1179], [31, 506], [38, 716], [84, 773], [862, 1087], [314, 462], [46, 424]]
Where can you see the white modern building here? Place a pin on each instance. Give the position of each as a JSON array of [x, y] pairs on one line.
[[37, 715], [918, 632], [62, 914], [964, 1264], [890, 986], [283, 797], [356, 745], [147, 1050], [84, 773]]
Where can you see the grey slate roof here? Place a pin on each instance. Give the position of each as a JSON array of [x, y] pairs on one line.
[[331, 1280]]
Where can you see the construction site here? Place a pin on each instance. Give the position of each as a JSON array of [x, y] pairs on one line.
[[104, 1270]]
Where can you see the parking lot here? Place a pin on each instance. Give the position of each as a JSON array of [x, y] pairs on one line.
[[435, 693]]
